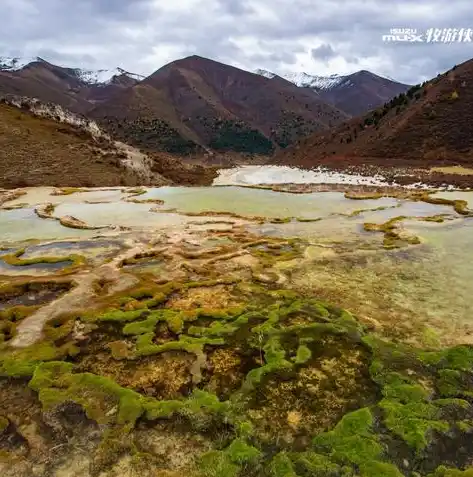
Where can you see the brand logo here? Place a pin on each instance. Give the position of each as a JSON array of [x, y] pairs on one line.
[[431, 35]]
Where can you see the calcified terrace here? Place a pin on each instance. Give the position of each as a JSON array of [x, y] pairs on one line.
[[276, 331]]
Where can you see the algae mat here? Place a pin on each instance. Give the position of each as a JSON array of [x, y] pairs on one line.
[[265, 336]]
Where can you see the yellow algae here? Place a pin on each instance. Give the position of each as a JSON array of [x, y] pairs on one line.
[[458, 170]]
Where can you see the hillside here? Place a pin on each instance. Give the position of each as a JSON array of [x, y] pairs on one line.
[[361, 92], [42, 144], [355, 94], [196, 103], [429, 125]]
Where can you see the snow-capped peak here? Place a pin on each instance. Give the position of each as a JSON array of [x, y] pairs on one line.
[[265, 73], [10, 63], [104, 76], [305, 80], [313, 81]]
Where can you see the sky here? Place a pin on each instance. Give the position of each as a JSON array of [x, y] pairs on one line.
[[315, 36]]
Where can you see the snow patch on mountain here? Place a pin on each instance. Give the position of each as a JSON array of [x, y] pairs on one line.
[[313, 81], [265, 73], [305, 80], [104, 76]]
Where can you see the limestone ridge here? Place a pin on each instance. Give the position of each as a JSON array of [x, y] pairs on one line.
[[55, 112]]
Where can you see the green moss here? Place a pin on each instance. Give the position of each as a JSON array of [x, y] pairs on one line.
[[17, 313], [315, 465], [241, 453], [305, 219], [303, 354], [413, 421], [376, 469], [408, 408], [176, 319], [459, 358], [358, 212], [392, 238], [401, 389], [119, 316], [449, 382], [245, 429], [135, 192], [284, 295], [460, 206], [364, 195], [460, 403], [435, 218], [217, 464], [15, 260], [162, 409], [275, 358], [281, 466], [142, 293], [146, 326], [217, 328], [352, 442], [146, 347], [99, 396], [23, 362], [202, 410], [58, 328], [465, 426], [67, 191]]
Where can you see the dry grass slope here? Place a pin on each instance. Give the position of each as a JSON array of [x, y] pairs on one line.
[[428, 126], [36, 151], [41, 151]]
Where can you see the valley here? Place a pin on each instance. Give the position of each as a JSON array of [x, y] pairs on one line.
[[208, 272]]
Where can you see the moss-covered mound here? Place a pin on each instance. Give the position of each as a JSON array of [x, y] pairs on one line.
[[276, 384]]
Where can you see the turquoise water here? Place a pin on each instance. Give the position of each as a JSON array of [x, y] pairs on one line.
[[24, 224], [457, 195], [259, 202]]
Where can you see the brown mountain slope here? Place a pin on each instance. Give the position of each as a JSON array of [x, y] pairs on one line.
[[63, 86], [430, 125], [361, 92], [42, 144], [196, 102]]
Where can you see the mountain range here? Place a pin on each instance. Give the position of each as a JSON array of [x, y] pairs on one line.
[[355, 94], [196, 105]]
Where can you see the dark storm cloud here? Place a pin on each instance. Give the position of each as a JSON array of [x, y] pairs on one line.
[[317, 36], [323, 52]]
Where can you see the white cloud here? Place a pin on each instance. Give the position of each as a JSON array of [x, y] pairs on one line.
[[143, 35]]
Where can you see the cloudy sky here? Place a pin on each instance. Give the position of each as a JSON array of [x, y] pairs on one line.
[[316, 36]]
